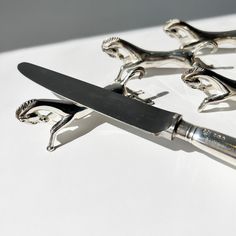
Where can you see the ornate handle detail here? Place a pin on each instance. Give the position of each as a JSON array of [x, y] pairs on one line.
[[213, 142]]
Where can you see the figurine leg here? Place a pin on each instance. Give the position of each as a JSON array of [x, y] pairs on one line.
[[120, 75], [199, 63], [137, 72], [198, 46], [148, 101], [56, 128], [211, 100], [135, 95], [128, 71]]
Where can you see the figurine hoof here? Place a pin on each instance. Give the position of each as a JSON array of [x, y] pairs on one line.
[[202, 106], [51, 148]]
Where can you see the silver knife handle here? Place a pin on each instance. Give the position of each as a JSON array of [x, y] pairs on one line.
[[213, 142]]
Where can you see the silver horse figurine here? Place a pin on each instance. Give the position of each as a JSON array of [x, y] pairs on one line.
[[217, 87], [61, 113], [137, 60], [195, 39]]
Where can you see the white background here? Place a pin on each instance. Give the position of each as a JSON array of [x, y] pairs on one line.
[[110, 181]]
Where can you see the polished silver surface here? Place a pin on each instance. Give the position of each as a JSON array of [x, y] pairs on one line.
[[197, 40], [129, 111], [59, 112], [138, 60], [216, 143], [218, 88]]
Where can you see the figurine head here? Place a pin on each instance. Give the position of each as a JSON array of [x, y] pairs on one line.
[[171, 27], [26, 114], [112, 47], [181, 30]]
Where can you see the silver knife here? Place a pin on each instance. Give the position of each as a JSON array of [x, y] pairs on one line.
[[147, 118]]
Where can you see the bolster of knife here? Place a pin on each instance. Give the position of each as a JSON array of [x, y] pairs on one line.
[[213, 142]]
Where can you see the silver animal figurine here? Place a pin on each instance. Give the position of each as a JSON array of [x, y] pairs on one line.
[[194, 39], [217, 87], [137, 60], [61, 113]]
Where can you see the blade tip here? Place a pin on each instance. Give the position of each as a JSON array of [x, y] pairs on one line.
[[21, 65]]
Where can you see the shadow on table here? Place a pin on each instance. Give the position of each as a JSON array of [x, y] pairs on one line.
[[86, 125]]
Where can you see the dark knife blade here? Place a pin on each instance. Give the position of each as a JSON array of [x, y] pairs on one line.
[[129, 111]]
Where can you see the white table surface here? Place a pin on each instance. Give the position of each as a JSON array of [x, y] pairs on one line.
[[110, 181]]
